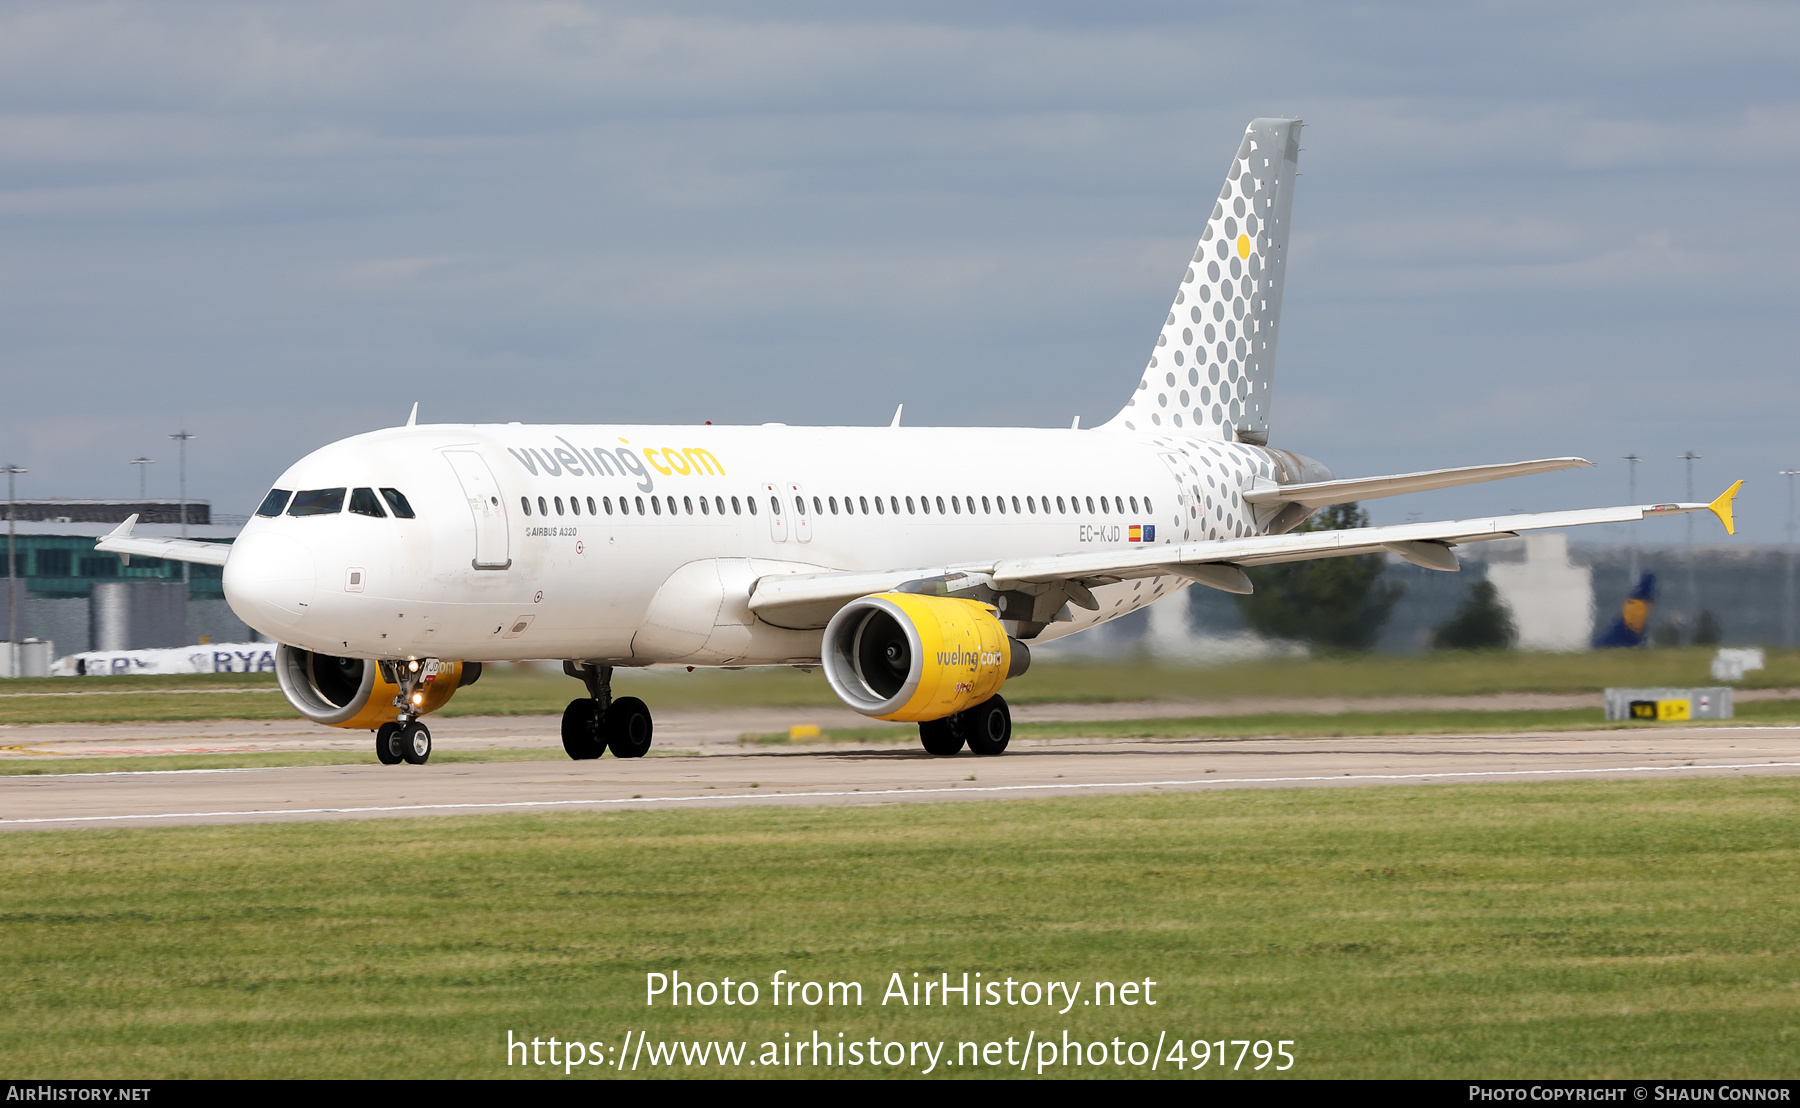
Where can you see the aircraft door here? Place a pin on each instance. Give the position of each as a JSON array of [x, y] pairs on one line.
[[493, 539], [802, 518], [778, 529]]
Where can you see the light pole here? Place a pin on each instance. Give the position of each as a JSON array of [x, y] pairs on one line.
[[1693, 593], [1787, 620], [182, 437], [1632, 461], [143, 473], [12, 567]]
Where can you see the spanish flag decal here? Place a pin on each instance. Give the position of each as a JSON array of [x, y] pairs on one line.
[[1136, 534]]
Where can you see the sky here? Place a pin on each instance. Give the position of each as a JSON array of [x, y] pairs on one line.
[[1521, 230]]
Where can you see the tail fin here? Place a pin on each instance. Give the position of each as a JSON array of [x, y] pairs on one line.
[[1213, 366]]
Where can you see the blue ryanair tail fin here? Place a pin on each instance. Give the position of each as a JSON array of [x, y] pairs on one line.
[[1633, 621]]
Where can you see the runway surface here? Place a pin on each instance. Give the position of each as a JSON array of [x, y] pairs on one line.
[[693, 775], [698, 729]]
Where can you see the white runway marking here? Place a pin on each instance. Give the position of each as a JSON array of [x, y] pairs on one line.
[[140, 773], [136, 692], [866, 793]]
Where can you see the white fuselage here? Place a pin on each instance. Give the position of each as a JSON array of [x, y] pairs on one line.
[[638, 545]]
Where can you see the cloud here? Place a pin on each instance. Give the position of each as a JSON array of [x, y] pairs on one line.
[[1519, 229]]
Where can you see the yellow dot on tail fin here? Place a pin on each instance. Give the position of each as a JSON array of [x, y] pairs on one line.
[[1721, 507], [1243, 246]]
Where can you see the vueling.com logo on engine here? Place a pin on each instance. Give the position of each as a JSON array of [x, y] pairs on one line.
[[978, 658]]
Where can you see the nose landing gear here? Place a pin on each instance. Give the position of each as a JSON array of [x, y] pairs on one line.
[[405, 739], [597, 723]]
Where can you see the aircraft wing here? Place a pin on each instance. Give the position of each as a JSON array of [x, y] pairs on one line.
[[810, 599], [1320, 493], [122, 542]]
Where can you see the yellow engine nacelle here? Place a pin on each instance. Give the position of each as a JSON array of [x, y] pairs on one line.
[[352, 692], [906, 656]]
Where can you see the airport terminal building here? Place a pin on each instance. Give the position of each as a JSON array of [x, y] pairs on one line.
[[81, 599]]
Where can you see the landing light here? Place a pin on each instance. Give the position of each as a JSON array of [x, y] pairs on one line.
[[418, 698]]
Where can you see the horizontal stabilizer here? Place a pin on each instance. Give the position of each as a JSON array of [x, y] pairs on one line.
[[1321, 493], [122, 542]]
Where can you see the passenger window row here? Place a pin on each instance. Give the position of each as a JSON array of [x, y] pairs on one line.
[[966, 505], [626, 505], [329, 502]]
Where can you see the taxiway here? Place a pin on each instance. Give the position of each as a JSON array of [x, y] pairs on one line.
[[692, 774]]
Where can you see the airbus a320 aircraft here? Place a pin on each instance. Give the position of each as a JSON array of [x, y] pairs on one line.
[[914, 565]]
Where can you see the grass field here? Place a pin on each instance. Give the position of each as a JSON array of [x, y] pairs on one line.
[[1587, 929], [509, 690]]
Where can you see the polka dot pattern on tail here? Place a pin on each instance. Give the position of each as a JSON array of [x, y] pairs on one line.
[[1237, 269]]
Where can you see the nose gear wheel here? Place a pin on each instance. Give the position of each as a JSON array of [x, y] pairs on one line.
[[387, 744], [415, 743]]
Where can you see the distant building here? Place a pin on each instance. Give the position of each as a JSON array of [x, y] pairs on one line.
[[82, 599], [1552, 599], [65, 510]]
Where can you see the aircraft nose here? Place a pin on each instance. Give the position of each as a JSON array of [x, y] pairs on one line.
[[269, 581]]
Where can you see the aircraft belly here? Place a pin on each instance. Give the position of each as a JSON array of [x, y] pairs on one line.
[[701, 615]]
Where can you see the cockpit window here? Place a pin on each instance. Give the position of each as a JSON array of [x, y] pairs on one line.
[[363, 503], [317, 502], [397, 501], [274, 502]]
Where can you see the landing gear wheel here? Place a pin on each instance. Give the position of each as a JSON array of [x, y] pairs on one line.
[[627, 728], [988, 726], [387, 744], [581, 729], [415, 743], [940, 737]]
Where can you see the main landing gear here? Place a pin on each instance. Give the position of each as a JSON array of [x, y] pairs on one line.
[[985, 729], [596, 723]]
